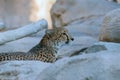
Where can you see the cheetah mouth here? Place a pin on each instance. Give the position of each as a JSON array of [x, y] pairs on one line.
[[72, 39], [69, 40]]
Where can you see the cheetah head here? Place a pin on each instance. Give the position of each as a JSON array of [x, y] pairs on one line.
[[58, 35]]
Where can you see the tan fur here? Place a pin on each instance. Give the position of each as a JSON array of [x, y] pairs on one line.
[[46, 50]]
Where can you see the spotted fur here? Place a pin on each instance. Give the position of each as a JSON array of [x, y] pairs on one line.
[[46, 50]]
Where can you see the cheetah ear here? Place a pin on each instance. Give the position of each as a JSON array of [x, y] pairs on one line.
[[48, 31]]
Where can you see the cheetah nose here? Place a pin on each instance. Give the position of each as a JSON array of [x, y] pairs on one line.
[[72, 39]]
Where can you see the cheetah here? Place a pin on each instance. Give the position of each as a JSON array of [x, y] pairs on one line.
[[46, 50]]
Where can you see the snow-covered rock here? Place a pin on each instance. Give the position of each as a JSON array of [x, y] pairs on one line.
[[110, 29]]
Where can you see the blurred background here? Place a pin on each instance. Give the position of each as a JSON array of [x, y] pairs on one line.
[[17, 13], [94, 25]]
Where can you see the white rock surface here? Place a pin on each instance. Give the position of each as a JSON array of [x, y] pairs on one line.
[[103, 65], [76, 45], [24, 45], [110, 46], [2, 25], [82, 15], [21, 70], [24, 31], [68, 11], [97, 66], [110, 28]]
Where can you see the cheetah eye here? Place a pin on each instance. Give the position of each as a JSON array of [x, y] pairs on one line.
[[64, 33]]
